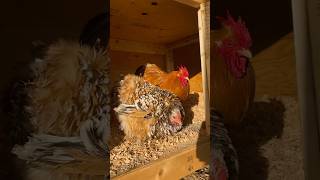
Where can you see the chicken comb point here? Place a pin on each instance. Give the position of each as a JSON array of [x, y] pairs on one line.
[[184, 70], [238, 29]]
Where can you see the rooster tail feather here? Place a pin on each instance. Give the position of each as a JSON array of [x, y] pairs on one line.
[[48, 148], [92, 139]]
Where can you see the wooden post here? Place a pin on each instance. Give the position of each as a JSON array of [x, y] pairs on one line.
[[204, 39], [307, 41], [169, 60]]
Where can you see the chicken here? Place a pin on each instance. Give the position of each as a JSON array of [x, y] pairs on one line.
[[161, 108], [135, 123], [69, 94], [52, 156], [177, 82], [224, 159], [233, 81]]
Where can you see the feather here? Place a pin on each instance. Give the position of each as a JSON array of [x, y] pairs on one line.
[[224, 162], [144, 99], [56, 157], [69, 94], [135, 123], [176, 82]]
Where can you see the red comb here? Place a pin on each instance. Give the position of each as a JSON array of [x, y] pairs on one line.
[[238, 29], [184, 70]]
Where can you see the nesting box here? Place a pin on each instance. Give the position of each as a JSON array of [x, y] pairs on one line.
[[167, 33]]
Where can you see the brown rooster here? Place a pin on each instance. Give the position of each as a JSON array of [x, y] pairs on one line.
[[233, 79], [176, 82]]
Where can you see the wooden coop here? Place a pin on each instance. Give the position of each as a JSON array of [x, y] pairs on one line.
[[167, 33]]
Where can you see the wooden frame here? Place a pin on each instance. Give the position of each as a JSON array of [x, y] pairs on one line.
[[307, 40], [196, 156], [166, 168]]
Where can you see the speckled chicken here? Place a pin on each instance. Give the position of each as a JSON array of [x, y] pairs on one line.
[[146, 110], [224, 159]]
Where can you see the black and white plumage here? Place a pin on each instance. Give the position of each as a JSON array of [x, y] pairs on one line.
[[158, 104], [224, 158]]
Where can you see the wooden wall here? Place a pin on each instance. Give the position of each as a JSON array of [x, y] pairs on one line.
[[188, 56], [275, 69], [127, 62]]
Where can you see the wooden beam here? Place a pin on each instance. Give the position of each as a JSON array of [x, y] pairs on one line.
[[192, 3], [204, 37], [184, 42], [139, 47], [176, 166]]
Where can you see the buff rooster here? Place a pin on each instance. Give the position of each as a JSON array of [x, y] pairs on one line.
[[233, 79], [146, 110], [177, 82]]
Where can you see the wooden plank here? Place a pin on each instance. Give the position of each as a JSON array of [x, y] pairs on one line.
[[192, 3], [188, 56], [176, 166], [128, 62], [138, 47], [275, 69], [184, 42], [163, 23], [204, 37]]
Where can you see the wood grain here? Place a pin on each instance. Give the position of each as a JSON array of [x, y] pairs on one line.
[[192, 3], [163, 23], [134, 46], [128, 62], [176, 166], [275, 69], [204, 39]]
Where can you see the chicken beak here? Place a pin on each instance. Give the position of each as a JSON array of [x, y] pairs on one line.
[[187, 78], [246, 53]]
